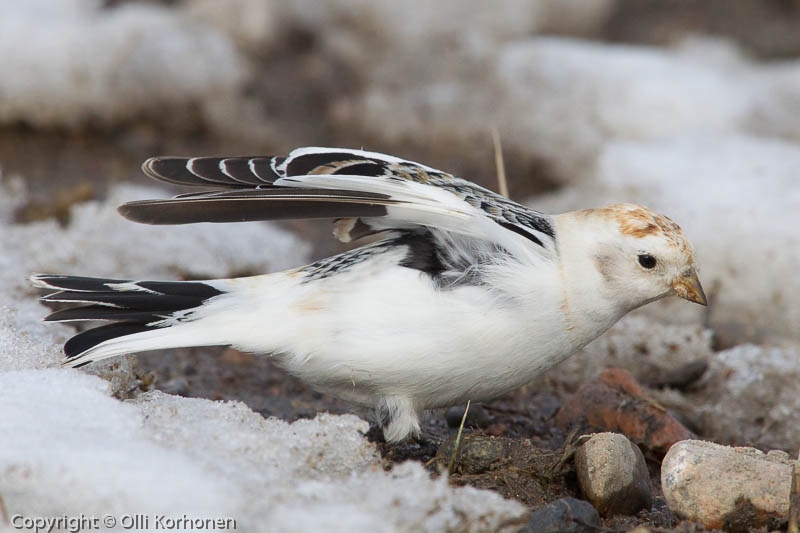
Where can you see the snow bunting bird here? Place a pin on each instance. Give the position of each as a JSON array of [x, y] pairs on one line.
[[464, 294]]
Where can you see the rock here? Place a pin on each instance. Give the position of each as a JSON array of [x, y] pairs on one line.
[[735, 489], [794, 500], [476, 454], [567, 515], [613, 475], [496, 430], [682, 377], [477, 417], [614, 401]]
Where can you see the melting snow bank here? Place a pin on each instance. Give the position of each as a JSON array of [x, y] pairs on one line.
[[70, 449], [83, 63]]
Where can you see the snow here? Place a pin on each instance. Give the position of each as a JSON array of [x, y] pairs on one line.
[[70, 437], [87, 64], [252, 24], [775, 104], [559, 100], [194, 251], [578, 96], [756, 384], [82, 63], [71, 449]]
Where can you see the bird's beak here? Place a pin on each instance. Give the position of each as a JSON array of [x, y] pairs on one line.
[[688, 287]]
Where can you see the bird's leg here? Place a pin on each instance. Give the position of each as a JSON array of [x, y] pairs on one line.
[[398, 417]]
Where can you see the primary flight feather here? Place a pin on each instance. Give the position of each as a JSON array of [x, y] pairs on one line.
[[464, 295]]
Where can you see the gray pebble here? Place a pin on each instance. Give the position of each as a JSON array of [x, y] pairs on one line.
[[613, 475], [567, 515], [476, 418]]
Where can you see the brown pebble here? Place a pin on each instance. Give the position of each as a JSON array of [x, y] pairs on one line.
[[615, 402], [496, 430]]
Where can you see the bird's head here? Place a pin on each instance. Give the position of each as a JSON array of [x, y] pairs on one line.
[[639, 254]]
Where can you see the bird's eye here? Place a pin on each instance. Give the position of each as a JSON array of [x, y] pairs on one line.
[[647, 261]]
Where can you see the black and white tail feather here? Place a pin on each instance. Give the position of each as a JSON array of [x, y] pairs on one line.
[[131, 307], [449, 227]]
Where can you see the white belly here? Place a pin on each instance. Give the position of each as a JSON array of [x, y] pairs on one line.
[[392, 333]]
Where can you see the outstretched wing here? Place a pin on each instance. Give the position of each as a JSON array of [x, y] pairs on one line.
[[366, 192]]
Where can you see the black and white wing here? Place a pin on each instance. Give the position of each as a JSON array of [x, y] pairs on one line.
[[366, 192]]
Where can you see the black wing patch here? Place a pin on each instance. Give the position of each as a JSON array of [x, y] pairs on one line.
[[325, 163], [422, 254]]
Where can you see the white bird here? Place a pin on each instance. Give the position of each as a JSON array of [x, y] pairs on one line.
[[465, 295]]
